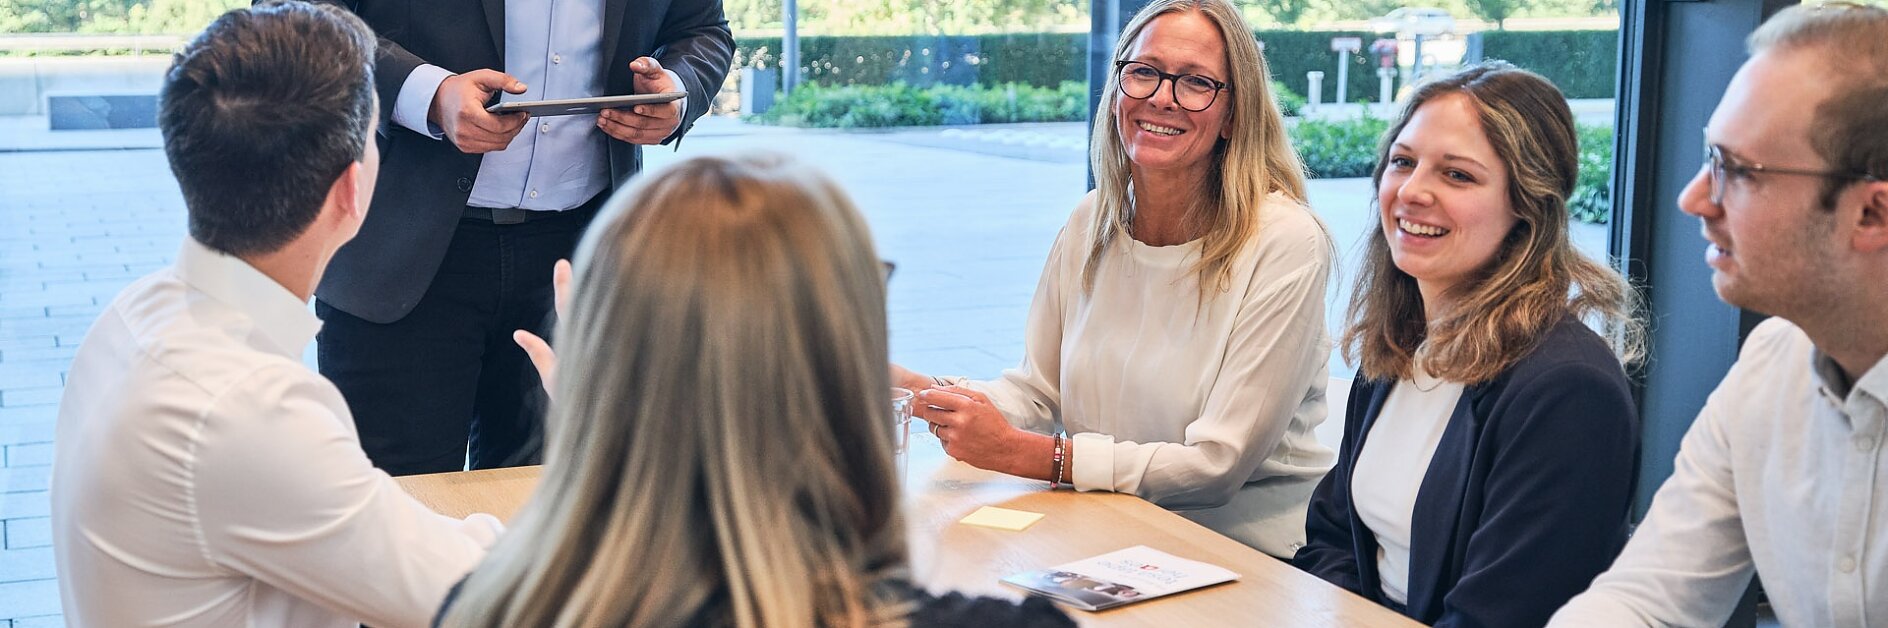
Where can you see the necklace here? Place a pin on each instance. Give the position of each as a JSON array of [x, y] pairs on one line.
[[1418, 374]]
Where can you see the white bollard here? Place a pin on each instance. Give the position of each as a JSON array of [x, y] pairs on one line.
[[1314, 96]]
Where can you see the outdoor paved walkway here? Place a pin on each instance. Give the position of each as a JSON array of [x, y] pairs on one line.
[[968, 215]]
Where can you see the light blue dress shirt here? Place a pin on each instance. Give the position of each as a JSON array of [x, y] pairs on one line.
[[555, 163]]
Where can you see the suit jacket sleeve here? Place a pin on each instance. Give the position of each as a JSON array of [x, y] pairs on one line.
[[392, 64], [696, 44], [1557, 496], [1330, 548]]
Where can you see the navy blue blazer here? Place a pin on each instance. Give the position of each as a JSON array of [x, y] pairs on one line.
[[1526, 500]]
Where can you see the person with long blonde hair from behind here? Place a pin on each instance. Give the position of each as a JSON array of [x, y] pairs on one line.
[[718, 452], [1177, 331]]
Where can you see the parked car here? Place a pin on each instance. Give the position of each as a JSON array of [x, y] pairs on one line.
[[1416, 21]]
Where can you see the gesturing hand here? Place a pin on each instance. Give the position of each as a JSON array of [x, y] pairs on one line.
[[459, 110], [540, 351], [645, 124], [970, 427]]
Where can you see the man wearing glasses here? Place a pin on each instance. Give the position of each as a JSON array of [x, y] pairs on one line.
[[1783, 473]]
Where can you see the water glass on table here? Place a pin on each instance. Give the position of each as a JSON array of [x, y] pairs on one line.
[[901, 426]]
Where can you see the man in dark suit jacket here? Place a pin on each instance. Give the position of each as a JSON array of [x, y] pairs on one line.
[[457, 250]]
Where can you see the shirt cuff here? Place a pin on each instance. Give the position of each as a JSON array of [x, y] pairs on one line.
[[483, 528], [416, 98], [677, 80], [1094, 461]]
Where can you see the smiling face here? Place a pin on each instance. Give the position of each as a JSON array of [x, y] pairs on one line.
[[1771, 245], [1158, 134], [1443, 198]]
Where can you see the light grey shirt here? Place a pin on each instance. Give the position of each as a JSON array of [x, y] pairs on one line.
[[1781, 473]]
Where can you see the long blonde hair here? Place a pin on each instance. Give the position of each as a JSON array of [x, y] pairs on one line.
[[717, 453], [1537, 277], [1254, 162]]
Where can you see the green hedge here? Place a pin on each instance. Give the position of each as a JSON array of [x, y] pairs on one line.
[[1592, 200], [1584, 64], [1039, 59], [1338, 149], [1293, 53], [899, 104], [1349, 149]]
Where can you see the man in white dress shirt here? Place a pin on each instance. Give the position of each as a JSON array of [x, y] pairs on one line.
[[1783, 472], [204, 476]]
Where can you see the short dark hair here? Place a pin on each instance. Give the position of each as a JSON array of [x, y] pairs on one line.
[[261, 112]]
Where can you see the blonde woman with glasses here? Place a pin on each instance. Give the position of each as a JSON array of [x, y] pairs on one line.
[[718, 451], [1177, 331]]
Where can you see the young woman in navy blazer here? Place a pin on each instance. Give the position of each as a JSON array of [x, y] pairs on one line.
[[1487, 465]]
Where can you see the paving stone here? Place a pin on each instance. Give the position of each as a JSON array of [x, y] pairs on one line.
[[26, 564], [23, 432], [25, 479], [27, 342], [30, 597], [42, 621], [21, 397], [28, 532], [13, 416], [61, 326], [41, 353], [28, 504], [29, 454]]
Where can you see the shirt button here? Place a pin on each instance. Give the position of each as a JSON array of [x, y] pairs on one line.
[[1847, 564], [1864, 444], [534, 194], [557, 58], [544, 128], [465, 184]]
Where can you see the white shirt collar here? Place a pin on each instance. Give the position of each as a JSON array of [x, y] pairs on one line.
[[281, 317]]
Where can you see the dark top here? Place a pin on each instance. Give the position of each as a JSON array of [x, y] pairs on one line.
[[1526, 500], [954, 610]]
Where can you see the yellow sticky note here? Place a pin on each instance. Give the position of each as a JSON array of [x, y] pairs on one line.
[[1002, 518]]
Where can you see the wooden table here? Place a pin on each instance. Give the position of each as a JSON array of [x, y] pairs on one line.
[[949, 556]]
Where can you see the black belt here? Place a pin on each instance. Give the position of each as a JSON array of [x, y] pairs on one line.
[[513, 215]]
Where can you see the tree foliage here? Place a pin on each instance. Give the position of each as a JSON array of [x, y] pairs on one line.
[[905, 17], [1497, 11], [177, 17]]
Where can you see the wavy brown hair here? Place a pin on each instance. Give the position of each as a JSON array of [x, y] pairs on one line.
[[1536, 279], [1254, 162], [717, 451]]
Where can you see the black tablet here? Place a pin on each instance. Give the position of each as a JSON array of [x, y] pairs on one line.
[[578, 106]]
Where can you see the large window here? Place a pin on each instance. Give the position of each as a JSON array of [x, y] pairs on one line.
[[1344, 68], [959, 128]]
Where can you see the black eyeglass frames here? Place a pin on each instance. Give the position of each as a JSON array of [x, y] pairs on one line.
[[1192, 92]]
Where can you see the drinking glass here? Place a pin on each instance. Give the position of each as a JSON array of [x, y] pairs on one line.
[[901, 426]]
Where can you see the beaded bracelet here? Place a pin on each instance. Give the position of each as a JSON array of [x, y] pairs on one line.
[[1055, 481], [1062, 472]]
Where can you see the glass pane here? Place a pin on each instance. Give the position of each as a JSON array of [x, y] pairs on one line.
[[959, 130], [1347, 66]]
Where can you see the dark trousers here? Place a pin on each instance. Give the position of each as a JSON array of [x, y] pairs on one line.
[[446, 386]]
